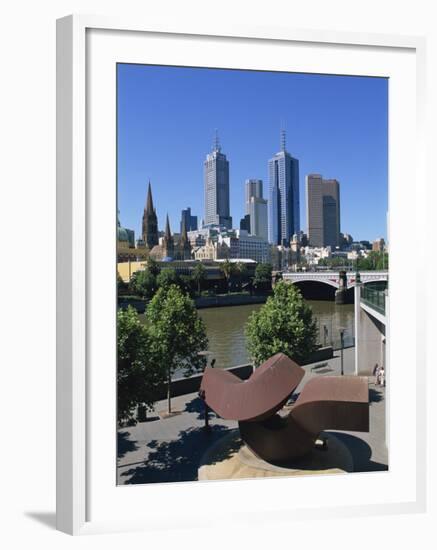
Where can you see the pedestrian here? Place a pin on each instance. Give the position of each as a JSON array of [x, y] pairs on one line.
[[376, 371], [382, 376]]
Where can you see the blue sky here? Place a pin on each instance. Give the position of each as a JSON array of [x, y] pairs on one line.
[[336, 126]]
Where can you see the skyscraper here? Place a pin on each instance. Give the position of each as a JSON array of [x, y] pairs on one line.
[[258, 217], [252, 188], [189, 220], [323, 211], [216, 182], [150, 222], [284, 209]]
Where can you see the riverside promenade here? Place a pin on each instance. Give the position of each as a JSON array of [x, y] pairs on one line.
[[169, 449]]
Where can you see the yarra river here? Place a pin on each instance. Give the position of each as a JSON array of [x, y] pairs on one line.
[[225, 328]]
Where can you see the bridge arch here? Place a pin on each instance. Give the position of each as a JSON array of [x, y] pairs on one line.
[[315, 290]]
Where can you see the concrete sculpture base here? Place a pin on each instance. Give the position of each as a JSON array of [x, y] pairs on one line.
[[230, 458]]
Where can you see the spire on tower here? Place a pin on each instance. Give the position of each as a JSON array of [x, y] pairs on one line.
[[149, 203], [216, 145], [283, 136], [167, 228]]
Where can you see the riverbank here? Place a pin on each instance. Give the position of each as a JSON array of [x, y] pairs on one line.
[[202, 302], [223, 300]]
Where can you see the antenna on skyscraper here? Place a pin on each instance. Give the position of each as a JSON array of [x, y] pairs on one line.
[[216, 146], [283, 138]]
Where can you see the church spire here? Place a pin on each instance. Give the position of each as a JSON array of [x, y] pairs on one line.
[[167, 228], [150, 222], [149, 203]]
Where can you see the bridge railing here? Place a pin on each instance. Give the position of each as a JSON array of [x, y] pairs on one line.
[[373, 298]]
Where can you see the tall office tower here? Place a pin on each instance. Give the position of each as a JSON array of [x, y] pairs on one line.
[[216, 181], [189, 220], [253, 188], [258, 217], [323, 211], [245, 223], [150, 222], [284, 209]]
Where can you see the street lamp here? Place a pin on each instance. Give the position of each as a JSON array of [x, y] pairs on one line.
[[211, 361], [341, 350]]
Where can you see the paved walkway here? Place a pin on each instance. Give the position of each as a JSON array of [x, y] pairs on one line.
[[169, 449]]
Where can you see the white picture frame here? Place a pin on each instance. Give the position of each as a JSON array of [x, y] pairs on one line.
[[76, 260]]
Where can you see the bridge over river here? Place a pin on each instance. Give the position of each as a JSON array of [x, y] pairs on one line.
[[332, 278]]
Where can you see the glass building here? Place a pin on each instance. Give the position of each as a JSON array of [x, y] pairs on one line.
[[284, 207], [189, 220], [253, 188]]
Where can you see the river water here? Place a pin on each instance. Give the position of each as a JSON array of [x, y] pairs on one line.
[[227, 341]]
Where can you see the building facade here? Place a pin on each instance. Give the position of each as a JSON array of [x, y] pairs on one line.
[[284, 207], [252, 188], [245, 246], [378, 245], [189, 220], [216, 187], [258, 218], [323, 211]]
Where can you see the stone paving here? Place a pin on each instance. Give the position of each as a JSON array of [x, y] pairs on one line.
[[170, 448]]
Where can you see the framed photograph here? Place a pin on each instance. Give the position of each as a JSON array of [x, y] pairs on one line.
[[233, 209]]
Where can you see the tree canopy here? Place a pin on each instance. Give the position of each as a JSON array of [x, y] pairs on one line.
[[199, 275], [167, 277], [140, 376], [143, 283], [178, 333], [284, 324]]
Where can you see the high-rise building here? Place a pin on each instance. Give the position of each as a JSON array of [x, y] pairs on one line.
[[216, 182], [378, 245], [252, 188], [245, 223], [189, 220], [284, 209], [258, 217], [323, 211], [150, 222]]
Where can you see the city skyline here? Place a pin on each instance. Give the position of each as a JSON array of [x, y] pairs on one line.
[[140, 134]]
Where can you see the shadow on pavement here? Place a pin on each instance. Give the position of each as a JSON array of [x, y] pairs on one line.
[[176, 460], [361, 453], [124, 444]]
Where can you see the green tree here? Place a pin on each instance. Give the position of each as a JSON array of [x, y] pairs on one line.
[[186, 284], [199, 275], [140, 377], [167, 277], [121, 285], [284, 324], [241, 271], [178, 333], [143, 283], [228, 269], [263, 277], [152, 266]]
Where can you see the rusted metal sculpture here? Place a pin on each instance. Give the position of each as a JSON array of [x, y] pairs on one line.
[[326, 402]]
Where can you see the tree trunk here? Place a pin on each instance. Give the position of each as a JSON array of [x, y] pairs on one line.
[[169, 392]]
